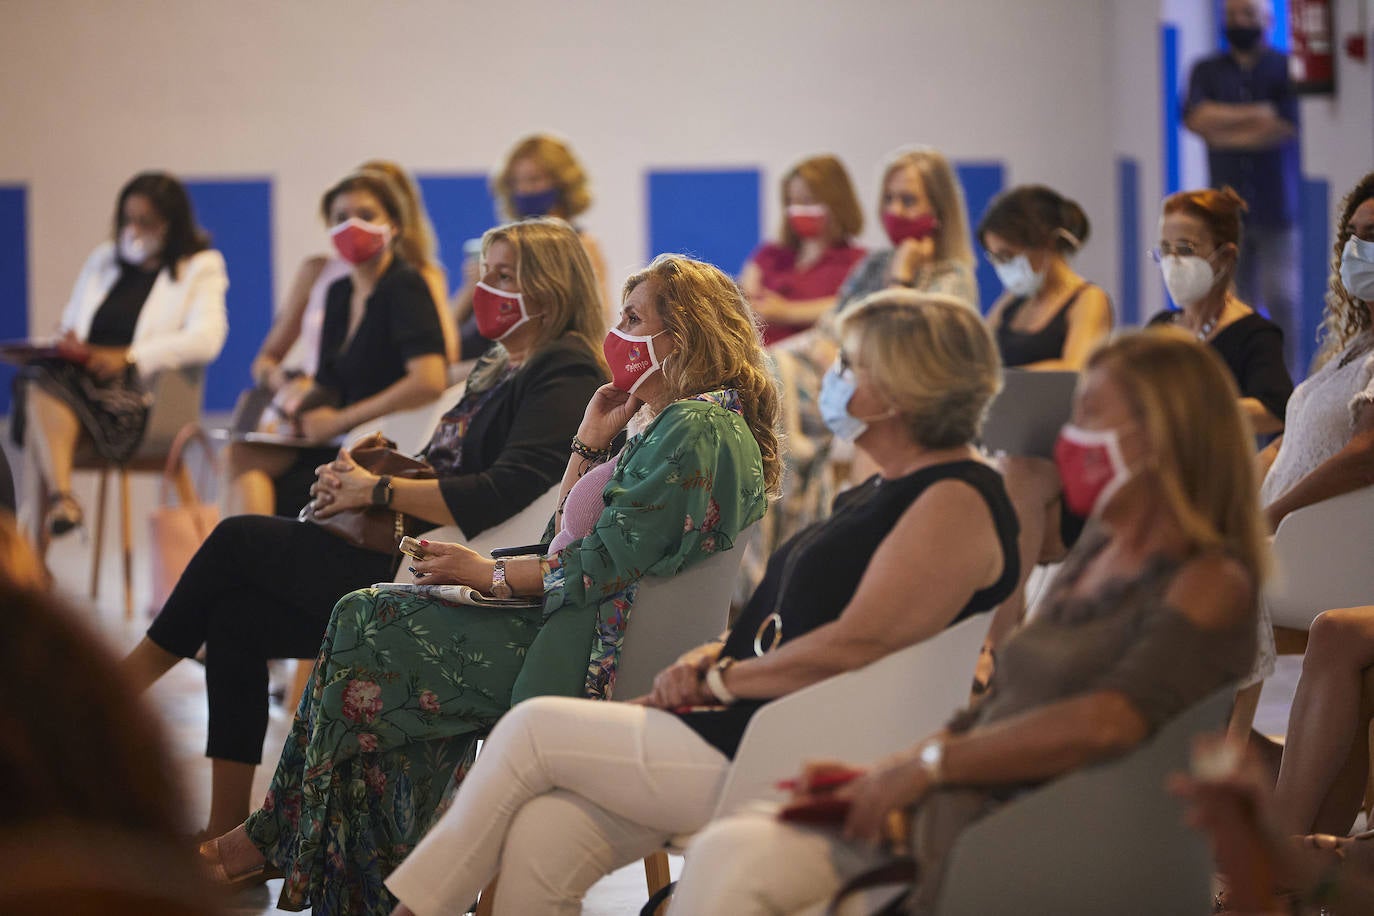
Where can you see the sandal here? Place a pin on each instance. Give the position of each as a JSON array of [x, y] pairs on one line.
[[64, 513], [214, 866]]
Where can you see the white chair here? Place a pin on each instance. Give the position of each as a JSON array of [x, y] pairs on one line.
[[1321, 560], [411, 429], [1105, 839]]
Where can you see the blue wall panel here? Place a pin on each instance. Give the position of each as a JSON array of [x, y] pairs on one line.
[[982, 182], [461, 208], [1170, 96], [710, 215], [1314, 221], [14, 275], [1132, 250], [238, 215]]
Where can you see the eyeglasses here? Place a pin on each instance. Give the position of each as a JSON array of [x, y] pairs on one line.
[[1182, 250]]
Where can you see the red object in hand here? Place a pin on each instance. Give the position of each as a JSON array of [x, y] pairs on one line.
[[826, 809], [823, 783]]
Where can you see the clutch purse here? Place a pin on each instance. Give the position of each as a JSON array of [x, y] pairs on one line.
[[375, 528]]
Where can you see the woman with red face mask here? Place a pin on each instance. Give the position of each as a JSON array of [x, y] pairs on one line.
[[793, 281], [381, 348], [262, 587], [405, 684]]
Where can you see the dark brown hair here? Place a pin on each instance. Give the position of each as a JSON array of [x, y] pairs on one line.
[[379, 185], [1035, 216], [168, 197]]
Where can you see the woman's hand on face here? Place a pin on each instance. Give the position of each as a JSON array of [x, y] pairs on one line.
[[106, 363], [892, 785], [453, 564], [606, 415], [323, 424], [341, 484], [911, 255]]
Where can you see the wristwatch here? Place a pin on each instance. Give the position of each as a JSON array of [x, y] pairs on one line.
[[715, 682], [381, 493], [932, 757], [499, 588]]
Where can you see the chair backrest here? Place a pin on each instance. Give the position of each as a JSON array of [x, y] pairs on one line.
[[411, 429], [1025, 417], [1105, 839], [674, 614], [178, 395], [524, 527], [858, 716], [1321, 559]]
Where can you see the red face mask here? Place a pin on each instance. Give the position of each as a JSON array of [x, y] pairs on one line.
[[359, 241], [901, 228], [632, 359], [1090, 467], [807, 220], [497, 312]]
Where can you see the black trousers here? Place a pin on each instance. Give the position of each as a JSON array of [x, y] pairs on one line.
[[259, 588]]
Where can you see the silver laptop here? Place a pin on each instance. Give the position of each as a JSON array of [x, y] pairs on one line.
[[1024, 419]]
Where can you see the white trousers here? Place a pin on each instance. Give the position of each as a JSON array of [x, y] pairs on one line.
[[564, 792], [755, 865]]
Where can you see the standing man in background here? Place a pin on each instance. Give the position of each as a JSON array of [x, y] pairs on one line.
[[1240, 102]]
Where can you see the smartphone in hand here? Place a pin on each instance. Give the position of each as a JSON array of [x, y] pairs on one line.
[[411, 548]]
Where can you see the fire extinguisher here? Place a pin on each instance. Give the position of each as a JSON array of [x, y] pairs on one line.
[[1312, 52]]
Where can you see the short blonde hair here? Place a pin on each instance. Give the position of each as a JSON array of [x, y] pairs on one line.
[[932, 357], [557, 281], [1203, 446], [828, 181], [718, 346], [946, 197], [556, 157]]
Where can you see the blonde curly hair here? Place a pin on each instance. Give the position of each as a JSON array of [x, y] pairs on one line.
[[1345, 317]]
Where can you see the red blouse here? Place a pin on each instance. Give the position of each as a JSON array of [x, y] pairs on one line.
[[778, 265]]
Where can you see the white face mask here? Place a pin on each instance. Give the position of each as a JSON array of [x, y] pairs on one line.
[[1357, 268], [134, 249], [1018, 278], [1188, 279]]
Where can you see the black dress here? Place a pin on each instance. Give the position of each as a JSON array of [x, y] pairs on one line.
[[399, 323], [1252, 349], [813, 575], [1021, 349], [262, 587]]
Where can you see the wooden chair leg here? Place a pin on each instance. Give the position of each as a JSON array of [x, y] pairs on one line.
[[1243, 713], [126, 513], [656, 874], [487, 902], [98, 549]]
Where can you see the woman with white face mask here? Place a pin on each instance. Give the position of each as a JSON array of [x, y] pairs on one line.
[[1048, 317], [151, 298], [1199, 242]]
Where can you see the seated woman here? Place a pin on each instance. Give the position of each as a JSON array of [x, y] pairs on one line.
[[293, 343], [1048, 318], [381, 347], [792, 282], [406, 683], [1154, 610], [566, 790], [540, 176], [922, 210], [1199, 246], [262, 587], [150, 299]]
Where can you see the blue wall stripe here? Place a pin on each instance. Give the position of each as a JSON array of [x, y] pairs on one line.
[[238, 215], [1170, 107], [1132, 251], [982, 181], [710, 215], [461, 208], [14, 275], [1314, 221]]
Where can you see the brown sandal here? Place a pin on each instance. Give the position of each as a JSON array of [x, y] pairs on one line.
[[214, 867]]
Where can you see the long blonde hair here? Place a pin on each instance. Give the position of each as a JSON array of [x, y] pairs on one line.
[[1203, 446], [557, 281], [418, 245], [1345, 316], [556, 157], [946, 197], [718, 346]]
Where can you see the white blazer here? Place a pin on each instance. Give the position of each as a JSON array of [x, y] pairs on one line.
[[183, 321]]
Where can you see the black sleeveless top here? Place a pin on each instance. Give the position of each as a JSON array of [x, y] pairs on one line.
[[1021, 349], [814, 574]]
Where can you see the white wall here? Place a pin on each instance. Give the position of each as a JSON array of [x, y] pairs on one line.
[[302, 91]]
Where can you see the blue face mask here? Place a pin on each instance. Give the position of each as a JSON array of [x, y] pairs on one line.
[[537, 204], [837, 387]]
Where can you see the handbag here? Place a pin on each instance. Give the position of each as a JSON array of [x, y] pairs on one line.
[[375, 528], [176, 532]]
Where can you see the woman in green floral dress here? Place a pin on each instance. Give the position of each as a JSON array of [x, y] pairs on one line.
[[405, 682]]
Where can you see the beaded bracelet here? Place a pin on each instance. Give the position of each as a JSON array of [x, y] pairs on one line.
[[586, 451]]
